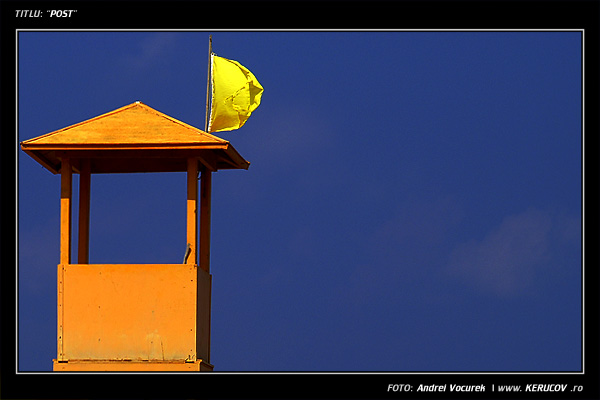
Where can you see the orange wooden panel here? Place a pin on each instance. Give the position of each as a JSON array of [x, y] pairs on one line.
[[129, 312]]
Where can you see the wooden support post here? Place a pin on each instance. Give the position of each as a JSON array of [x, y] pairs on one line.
[[66, 177], [192, 211], [84, 212], [205, 194]]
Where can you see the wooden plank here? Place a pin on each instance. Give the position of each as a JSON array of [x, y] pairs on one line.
[[84, 212], [66, 175], [125, 146], [205, 202], [142, 159], [108, 365], [142, 152], [192, 211]]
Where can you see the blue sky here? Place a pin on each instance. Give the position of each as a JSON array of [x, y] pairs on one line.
[[413, 201]]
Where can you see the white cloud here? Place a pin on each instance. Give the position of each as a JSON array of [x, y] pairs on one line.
[[506, 261]]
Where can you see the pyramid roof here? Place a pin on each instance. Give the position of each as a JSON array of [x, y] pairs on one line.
[[133, 138]]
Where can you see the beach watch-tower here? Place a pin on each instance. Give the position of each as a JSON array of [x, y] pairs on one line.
[[133, 317]]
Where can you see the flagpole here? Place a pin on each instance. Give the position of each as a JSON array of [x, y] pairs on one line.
[[208, 82]]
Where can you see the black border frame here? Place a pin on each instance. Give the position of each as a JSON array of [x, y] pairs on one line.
[[418, 15]]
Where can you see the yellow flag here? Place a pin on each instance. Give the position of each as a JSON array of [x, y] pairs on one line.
[[235, 94]]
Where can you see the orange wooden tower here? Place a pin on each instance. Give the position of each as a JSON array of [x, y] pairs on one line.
[[134, 317]]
